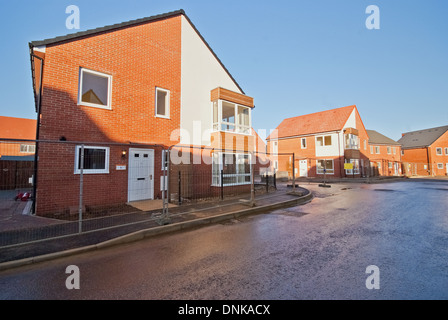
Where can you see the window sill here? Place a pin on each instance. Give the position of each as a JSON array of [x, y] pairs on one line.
[[232, 184], [233, 132], [91, 105], [162, 117], [92, 172]]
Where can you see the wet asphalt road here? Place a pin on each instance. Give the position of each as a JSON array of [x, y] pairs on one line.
[[319, 250]]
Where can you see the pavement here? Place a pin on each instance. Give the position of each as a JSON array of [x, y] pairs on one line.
[[24, 238]]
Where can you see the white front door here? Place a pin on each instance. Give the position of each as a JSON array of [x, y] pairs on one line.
[[303, 168], [141, 174]]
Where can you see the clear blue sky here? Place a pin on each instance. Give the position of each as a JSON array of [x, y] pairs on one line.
[[294, 57]]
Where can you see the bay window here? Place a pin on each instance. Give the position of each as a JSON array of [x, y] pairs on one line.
[[351, 141], [231, 117]]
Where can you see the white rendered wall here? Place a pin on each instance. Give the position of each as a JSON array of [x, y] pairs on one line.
[[201, 73], [328, 151]]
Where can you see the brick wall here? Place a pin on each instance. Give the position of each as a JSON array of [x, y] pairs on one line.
[[139, 59]]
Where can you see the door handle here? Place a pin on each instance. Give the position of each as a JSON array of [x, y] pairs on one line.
[[150, 177]]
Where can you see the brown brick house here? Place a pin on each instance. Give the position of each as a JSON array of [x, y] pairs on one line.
[[425, 152], [384, 155]]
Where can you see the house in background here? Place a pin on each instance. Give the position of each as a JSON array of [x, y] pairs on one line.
[[132, 91], [18, 129], [384, 155], [425, 152], [322, 143]]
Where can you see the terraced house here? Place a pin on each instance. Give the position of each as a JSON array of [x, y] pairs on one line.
[[111, 101], [425, 152], [385, 155]]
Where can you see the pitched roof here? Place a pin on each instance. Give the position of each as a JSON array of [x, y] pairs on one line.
[[377, 138], [129, 23], [421, 138], [17, 128], [324, 121]]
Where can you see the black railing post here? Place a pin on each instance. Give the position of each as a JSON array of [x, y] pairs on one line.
[[222, 184], [267, 182], [275, 180], [179, 191]]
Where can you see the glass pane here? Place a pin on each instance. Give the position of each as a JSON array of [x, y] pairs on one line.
[[161, 102], [243, 116], [319, 141], [93, 159], [228, 112], [215, 112], [94, 88], [328, 140]]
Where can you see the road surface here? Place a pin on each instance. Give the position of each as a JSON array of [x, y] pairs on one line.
[[320, 250]]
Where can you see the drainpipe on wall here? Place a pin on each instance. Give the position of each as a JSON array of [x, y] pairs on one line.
[[429, 161], [38, 109]]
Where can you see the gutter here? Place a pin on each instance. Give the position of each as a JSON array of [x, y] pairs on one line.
[[38, 103]]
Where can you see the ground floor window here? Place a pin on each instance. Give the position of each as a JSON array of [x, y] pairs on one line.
[[440, 166], [355, 169], [94, 159], [235, 167], [325, 166]]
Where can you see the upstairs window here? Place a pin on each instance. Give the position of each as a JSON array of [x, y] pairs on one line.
[[377, 150], [162, 103], [351, 141], [439, 151], [303, 144], [389, 150], [94, 89], [371, 149], [446, 151], [27, 148], [231, 117], [323, 141]]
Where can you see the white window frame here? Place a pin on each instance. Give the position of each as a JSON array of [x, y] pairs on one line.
[[394, 150], [323, 141], [275, 147], [371, 150], [91, 171], [27, 148], [437, 152], [377, 150], [301, 143], [108, 105], [440, 166], [238, 127], [216, 180], [353, 141], [167, 103], [164, 160], [356, 169], [389, 150], [390, 165], [446, 151], [321, 171]]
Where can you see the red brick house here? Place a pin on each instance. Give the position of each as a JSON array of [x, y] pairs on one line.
[[322, 142], [425, 152], [384, 155], [128, 92]]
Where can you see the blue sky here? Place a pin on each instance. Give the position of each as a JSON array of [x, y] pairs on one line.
[[294, 57]]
